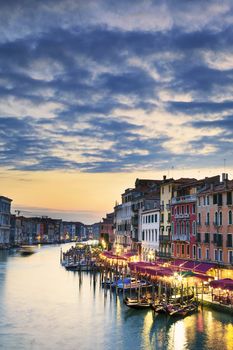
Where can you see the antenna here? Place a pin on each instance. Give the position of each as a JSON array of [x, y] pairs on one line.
[[224, 164]]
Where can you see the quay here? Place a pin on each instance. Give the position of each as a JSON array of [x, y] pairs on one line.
[[157, 281]]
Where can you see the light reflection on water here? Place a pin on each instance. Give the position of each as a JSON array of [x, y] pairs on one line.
[[42, 306]]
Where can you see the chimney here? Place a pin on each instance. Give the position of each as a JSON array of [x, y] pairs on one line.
[[225, 180], [164, 177]]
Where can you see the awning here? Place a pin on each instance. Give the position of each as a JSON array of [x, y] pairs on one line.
[[203, 267], [225, 283]]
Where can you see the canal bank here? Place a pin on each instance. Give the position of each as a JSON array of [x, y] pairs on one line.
[[39, 297]]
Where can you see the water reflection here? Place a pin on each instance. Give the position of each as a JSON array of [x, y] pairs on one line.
[[43, 306]]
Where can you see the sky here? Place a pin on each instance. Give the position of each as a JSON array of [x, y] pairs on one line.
[[94, 94]]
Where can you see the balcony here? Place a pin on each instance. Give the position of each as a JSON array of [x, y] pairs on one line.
[[183, 237], [163, 255], [182, 216], [184, 199], [164, 238], [217, 224]]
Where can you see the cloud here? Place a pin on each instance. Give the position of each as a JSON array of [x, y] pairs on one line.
[[107, 87]]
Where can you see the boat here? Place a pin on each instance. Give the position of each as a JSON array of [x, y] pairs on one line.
[[137, 303], [26, 250], [182, 310]]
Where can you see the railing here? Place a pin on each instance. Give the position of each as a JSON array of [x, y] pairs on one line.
[[183, 237], [164, 238], [182, 216], [184, 199], [163, 255]]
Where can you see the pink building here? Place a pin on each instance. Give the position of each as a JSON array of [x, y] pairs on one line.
[[215, 223]]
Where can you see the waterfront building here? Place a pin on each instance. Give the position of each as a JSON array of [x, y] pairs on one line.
[[5, 214], [167, 190], [106, 230], [127, 214], [122, 221], [215, 222], [149, 233]]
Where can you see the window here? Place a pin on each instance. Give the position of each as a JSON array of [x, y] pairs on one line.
[[229, 240], [230, 217], [152, 218], [194, 228], [216, 218], [182, 209], [172, 228], [199, 201], [187, 229], [220, 218], [194, 251], [182, 227], [194, 208], [149, 219], [162, 190], [162, 217], [155, 217], [229, 198], [207, 218], [207, 200], [188, 249], [204, 200], [178, 228], [215, 254], [199, 253], [220, 255], [182, 249], [230, 257], [207, 237], [215, 198], [199, 218], [207, 254], [219, 198], [169, 217], [172, 248], [178, 210], [187, 209], [178, 249], [143, 235]]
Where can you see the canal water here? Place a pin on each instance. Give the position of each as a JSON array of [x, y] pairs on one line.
[[43, 306]]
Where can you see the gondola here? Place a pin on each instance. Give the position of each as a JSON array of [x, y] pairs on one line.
[[137, 304]]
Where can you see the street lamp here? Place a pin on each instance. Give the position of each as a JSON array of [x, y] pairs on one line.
[[104, 245], [150, 255], [117, 253]]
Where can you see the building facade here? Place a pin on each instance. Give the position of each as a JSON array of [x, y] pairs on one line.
[[215, 222], [5, 216], [149, 233]]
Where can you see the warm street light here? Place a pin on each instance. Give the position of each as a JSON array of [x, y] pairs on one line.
[[150, 255], [104, 245]]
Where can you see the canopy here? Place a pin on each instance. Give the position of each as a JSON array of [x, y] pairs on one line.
[[225, 283]]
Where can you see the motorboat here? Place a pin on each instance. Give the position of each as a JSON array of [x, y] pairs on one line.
[[26, 250]]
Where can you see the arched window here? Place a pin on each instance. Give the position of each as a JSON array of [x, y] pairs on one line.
[[182, 227], [220, 218], [194, 228], [187, 229], [207, 218], [216, 218], [230, 217], [178, 228]]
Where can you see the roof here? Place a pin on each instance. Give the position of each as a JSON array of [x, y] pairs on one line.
[[6, 198]]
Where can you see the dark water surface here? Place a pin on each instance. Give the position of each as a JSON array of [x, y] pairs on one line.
[[42, 306]]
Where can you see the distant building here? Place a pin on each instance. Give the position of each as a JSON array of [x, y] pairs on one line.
[[5, 215], [106, 229]]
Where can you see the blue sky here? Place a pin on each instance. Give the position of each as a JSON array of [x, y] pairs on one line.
[[115, 86]]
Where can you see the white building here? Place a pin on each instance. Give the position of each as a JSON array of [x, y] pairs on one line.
[[5, 216], [149, 233]]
